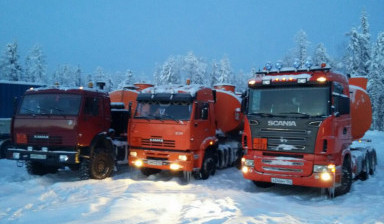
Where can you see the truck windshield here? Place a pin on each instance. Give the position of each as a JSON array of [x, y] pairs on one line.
[[160, 111], [50, 104], [302, 101]]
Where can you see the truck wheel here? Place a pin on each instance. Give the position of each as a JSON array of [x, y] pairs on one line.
[[149, 171], [3, 148], [346, 179], [100, 165], [208, 167], [372, 163], [263, 184], [364, 175], [84, 170], [36, 168]]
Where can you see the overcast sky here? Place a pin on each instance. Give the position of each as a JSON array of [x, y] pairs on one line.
[[136, 34]]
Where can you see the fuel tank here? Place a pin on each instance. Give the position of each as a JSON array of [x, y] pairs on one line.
[[361, 107], [227, 109]]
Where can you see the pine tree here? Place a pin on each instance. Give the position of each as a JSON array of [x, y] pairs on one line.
[[302, 45], [9, 65], [195, 69], [320, 55], [35, 66], [376, 83], [358, 58], [170, 72], [225, 71], [215, 73], [127, 81]]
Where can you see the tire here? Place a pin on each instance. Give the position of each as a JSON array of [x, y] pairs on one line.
[[346, 178], [208, 167], [149, 171], [101, 165], [36, 168], [366, 167], [372, 163], [263, 184], [84, 170], [3, 148]]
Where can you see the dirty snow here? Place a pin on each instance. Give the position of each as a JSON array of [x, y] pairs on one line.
[[129, 197]]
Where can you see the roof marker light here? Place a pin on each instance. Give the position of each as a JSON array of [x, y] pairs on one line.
[[279, 65], [268, 66], [323, 65], [321, 79], [252, 82], [308, 63], [266, 82]]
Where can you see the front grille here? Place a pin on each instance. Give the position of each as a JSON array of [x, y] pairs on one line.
[[280, 169], [51, 140], [157, 141], [288, 140]]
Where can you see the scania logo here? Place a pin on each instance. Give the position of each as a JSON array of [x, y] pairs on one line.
[[41, 136], [156, 140], [281, 123]]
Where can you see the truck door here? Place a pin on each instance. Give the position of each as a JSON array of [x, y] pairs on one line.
[[201, 125], [341, 110], [93, 122]]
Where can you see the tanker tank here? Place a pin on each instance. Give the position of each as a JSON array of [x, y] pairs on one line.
[[228, 120], [361, 107]]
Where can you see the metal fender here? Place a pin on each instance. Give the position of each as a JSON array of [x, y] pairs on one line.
[[103, 141], [207, 142]]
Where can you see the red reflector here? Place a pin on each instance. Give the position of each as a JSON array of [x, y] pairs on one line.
[[260, 143], [21, 138]]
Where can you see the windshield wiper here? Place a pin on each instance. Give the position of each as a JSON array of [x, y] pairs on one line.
[[170, 117], [296, 113], [263, 114]]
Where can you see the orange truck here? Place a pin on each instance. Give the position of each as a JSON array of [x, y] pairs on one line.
[[299, 127], [189, 129]]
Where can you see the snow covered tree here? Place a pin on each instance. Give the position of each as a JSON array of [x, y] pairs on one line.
[[77, 76], [9, 65], [215, 73], [302, 44], [170, 72], [376, 83], [195, 69], [35, 66], [225, 73], [127, 81], [320, 55], [358, 58]]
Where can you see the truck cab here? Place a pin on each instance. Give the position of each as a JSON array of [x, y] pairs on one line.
[[298, 128], [174, 129], [56, 127]]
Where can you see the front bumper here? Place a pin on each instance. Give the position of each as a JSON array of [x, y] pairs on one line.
[[314, 180], [163, 160], [47, 157]]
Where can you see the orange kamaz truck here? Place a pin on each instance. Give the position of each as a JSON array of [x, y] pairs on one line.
[[299, 126], [189, 129]]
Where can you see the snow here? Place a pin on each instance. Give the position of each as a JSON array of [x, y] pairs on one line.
[[129, 197]]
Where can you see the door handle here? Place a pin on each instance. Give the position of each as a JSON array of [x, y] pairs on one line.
[[344, 131]]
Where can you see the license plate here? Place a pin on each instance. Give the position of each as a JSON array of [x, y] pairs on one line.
[[154, 162], [281, 181], [38, 156]]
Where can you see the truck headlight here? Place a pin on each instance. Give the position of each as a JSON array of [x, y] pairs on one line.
[[16, 155], [331, 168], [138, 163], [133, 154], [174, 166], [249, 162], [63, 158], [183, 157], [325, 176]]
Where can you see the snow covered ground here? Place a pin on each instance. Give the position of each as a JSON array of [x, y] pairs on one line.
[[129, 197]]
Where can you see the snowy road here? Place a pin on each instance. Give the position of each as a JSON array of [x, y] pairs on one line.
[[129, 197]]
